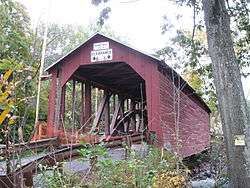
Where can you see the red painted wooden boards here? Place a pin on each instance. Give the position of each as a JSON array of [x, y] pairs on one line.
[[193, 114]]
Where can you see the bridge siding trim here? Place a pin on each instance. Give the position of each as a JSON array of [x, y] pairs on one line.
[[157, 101]]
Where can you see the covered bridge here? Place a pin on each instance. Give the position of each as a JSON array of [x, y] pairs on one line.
[[139, 92]]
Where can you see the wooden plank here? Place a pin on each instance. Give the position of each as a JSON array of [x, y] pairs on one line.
[[138, 123], [87, 102], [126, 79], [111, 70], [63, 94], [58, 103], [113, 110], [100, 111], [44, 143], [82, 103], [121, 99], [115, 116], [73, 102], [132, 121], [107, 115]]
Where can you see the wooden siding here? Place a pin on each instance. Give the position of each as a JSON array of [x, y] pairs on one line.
[[142, 65], [193, 120]]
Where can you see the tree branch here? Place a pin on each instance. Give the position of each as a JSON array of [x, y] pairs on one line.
[[194, 20]]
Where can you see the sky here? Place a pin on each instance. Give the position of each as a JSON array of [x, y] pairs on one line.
[[139, 21]]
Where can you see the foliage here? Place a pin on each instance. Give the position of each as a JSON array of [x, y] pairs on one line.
[[137, 170], [54, 178], [20, 81], [239, 12], [15, 42], [169, 180], [104, 14], [248, 105], [20, 44], [191, 59], [90, 151], [14, 31], [155, 169], [61, 39], [189, 48]]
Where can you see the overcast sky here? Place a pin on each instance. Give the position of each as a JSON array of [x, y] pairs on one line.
[[138, 20]]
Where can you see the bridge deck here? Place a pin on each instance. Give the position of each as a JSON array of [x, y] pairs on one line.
[[22, 161], [30, 163]]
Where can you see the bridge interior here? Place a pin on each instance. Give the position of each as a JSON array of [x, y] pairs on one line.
[[102, 100]]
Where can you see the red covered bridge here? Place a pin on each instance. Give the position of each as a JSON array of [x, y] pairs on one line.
[[140, 94]]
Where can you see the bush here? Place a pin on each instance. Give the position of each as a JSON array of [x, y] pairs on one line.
[[157, 169]]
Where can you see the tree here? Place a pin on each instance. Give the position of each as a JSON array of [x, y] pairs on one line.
[[14, 31], [189, 56], [227, 57], [232, 103], [15, 42], [104, 14]]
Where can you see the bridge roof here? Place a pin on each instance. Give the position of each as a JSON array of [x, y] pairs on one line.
[[156, 60]]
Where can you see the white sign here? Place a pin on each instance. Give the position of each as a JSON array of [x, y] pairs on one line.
[[101, 46], [101, 55], [239, 140]]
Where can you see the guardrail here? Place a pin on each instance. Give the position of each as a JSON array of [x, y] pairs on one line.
[[40, 144], [26, 171]]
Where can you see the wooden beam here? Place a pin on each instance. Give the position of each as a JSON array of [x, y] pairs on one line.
[[82, 103], [107, 115], [87, 101], [28, 178], [115, 116], [100, 110], [111, 87], [95, 84], [73, 102], [106, 71], [121, 100], [96, 100], [58, 103], [138, 123], [125, 79], [132, 122], [62, 114], [113, 103]]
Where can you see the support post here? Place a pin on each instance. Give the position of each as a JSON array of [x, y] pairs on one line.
[[58, 103], [96, 100], [107, 115], [28, 179], [100, 110], [113, 103], [87, 101], [51, 105], [82, 104], [132, 122], [63, 103], [73, 102], [115, 116], [121, 100]]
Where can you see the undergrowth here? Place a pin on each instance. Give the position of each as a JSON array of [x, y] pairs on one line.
[[156, 168]]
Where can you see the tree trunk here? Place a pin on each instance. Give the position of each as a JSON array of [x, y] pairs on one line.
[[232, 103]]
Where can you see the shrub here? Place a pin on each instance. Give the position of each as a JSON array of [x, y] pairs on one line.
[[157, 169]]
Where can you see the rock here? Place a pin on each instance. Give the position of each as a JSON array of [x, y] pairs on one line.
[[207, 183], [141, 149]]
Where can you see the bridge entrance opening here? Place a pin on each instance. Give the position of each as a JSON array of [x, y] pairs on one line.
[[103, 100]]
